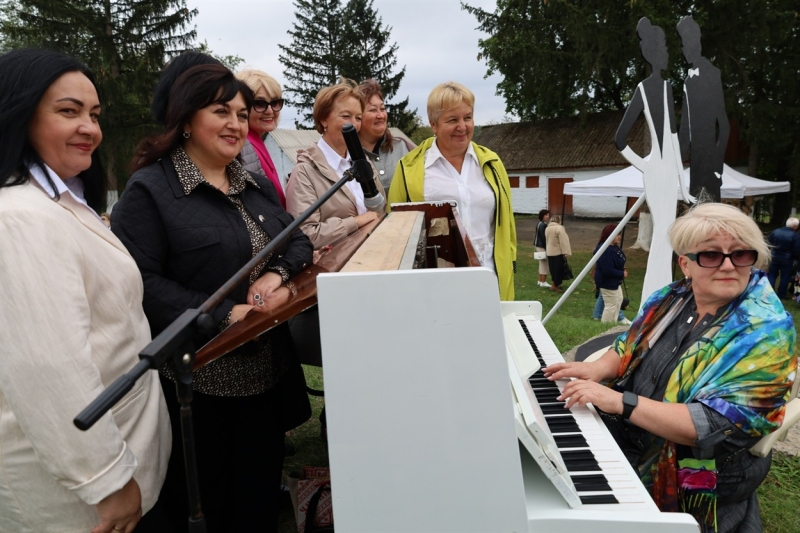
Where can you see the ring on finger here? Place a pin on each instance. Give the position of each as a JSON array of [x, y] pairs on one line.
[[115, 528], [256, 297], [260, 303]]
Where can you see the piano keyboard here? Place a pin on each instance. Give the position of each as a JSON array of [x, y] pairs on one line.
[[596, 469]]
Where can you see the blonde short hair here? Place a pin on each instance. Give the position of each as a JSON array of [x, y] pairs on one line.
[[256, 79], [447, 96], [555, 218], [328, 96], [703, 221]]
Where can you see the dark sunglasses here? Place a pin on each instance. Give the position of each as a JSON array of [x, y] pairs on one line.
[[739, 258], [259, 106]]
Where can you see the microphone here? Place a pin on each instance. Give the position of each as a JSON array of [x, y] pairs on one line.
[[361, 169]]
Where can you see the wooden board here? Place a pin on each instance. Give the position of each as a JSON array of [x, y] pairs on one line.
[[389, 244]]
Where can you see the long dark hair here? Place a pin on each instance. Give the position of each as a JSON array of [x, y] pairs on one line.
[[198, 87], [27, 74], [169, 74]]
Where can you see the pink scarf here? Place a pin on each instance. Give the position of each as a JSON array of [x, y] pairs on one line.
[[267, 164]]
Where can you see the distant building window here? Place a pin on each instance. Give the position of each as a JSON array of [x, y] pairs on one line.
[[514, 182], [532, 182]]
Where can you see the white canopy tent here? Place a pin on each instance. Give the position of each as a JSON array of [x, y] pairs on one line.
[[628, 182]]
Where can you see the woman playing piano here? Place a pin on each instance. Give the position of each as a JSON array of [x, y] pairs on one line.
[[449, 167], [704, 371]]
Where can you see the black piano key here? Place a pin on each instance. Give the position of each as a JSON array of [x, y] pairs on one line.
[[553, 408], [570, 441], [543, 385], [591, 483], [559, 413], [562, 428], [600, 498], [582, 466], [581, 463], [563, 425], [586, 455], [547, 393]]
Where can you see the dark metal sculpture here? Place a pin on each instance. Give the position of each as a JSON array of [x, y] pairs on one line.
[[704, 125]]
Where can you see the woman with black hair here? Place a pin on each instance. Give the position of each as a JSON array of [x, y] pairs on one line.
[[540, 243], [191, 216], [71, 316], [169, 74]]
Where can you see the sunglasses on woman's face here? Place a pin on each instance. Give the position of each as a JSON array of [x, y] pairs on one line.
[[259, 106], [739, 258]]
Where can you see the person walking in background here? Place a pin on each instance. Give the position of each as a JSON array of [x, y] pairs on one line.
[[540, 243], [557, 250], [608, 275], [785, 244], [383, 149], [264, 118]]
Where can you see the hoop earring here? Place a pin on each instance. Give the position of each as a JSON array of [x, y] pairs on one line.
[[186, 134]]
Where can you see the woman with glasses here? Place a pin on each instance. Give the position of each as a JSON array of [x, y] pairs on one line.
[[704, 372], [322, 164], [264, 118]]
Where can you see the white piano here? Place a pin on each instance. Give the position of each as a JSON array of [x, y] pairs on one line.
[[438, 421]]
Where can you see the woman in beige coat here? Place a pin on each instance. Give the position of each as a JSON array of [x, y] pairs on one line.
[[321, 165], [72, 318], [557, 250]]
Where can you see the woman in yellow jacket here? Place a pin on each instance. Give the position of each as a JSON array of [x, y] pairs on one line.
[[450, 166]]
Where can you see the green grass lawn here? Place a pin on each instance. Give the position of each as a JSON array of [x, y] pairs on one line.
[[569, 327]]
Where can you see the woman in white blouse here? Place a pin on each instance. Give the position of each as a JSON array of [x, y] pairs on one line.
[[449, 167], [72, 318], [322, 164]]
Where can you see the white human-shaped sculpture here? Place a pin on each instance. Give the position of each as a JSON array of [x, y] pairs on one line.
[[663, 170]]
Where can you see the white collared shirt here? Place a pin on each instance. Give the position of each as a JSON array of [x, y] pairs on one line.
[[340, 165], [474, 195], [72, 187]]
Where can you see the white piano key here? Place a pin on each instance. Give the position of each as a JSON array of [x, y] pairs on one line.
[[624, 482]]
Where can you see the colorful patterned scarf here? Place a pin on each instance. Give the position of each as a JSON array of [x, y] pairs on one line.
[[742, 367]]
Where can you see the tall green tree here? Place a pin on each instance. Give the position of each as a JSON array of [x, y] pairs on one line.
[[330, 40], [371, 55], [124, 42], [313, 59], [560, 58]]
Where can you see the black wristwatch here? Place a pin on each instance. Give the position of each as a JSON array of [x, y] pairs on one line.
[[629, 402]]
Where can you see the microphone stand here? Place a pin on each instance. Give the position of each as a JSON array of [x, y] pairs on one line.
[[174, 343]]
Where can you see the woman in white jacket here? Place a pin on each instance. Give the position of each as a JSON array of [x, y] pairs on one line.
[[71, 316]]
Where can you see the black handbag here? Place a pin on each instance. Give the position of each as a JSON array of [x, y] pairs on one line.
[[625, 300], [567, 271]]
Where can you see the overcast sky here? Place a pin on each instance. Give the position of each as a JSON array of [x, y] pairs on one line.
[[437, 42]]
